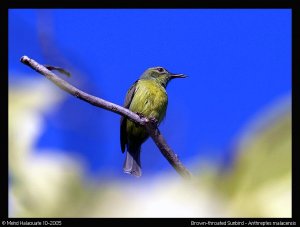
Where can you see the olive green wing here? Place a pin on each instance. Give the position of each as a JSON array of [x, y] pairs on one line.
[[128, 99]]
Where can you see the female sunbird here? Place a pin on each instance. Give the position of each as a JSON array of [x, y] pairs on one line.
[[146, 97]]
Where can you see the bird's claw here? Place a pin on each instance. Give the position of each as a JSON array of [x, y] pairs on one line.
[[140, 115], [153, 120]]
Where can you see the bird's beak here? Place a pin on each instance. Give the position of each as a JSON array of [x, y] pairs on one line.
[[173, 76]]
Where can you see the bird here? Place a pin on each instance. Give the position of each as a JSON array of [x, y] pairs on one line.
[[148, 98]]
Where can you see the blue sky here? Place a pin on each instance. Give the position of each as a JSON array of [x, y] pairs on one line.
[[237, 62]]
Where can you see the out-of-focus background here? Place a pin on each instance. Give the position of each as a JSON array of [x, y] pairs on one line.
[[229, 121]]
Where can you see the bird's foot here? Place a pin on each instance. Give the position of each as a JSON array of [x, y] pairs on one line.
[[141, 116], [153, 120]]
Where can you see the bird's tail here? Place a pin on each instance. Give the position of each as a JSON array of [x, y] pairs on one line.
[[132, 163]]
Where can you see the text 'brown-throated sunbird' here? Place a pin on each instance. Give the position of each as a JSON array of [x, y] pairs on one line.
[[146, 97]]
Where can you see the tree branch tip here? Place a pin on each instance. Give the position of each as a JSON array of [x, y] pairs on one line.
[[25, 60]]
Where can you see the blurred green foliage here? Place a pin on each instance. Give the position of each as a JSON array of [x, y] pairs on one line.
[[50, 184]]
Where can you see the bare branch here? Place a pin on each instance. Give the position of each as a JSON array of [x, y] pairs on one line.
[[150, 126]]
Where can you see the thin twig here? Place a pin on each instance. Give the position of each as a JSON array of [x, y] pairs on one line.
[[150, 126]]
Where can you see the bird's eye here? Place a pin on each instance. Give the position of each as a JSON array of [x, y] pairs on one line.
[[160, 69]]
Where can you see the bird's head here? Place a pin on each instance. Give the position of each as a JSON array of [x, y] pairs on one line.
[[160, 75]]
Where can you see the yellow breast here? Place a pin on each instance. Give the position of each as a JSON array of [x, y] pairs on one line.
[[150, 99]]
